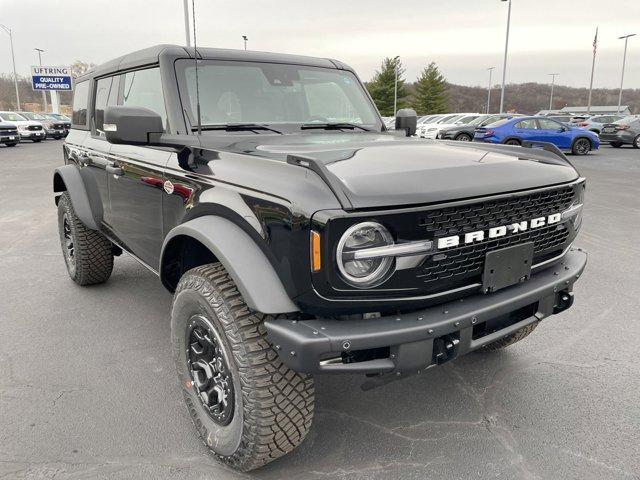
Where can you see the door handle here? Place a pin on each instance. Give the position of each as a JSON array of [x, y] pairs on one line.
[[117, 171]]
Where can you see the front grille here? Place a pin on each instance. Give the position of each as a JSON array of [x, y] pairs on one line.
[[461, 265], [8, 130], [58, 126], [34, 127]]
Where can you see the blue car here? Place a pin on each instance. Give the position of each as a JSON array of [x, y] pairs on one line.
[[515, 130]]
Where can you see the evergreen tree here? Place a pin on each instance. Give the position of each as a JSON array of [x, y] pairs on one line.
[[431, 96], [381, 88]]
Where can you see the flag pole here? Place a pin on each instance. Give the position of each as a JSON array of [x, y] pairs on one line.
[[593, 65]]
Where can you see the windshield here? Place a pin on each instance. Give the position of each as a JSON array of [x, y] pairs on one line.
[[269, 93], [12, 117], [465, 120], [498, 123], [449, 119], [479, 120], [33, 116]]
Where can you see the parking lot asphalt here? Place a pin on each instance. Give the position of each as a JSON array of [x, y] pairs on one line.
[[88, 389]]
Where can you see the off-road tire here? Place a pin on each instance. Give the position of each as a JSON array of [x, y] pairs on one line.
[[616, 144], [464, 137], [93, 252], [510, 339], [273, 405], [636, 142], [581, 146]]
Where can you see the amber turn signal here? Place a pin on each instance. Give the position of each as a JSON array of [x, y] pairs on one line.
[[316, 262]]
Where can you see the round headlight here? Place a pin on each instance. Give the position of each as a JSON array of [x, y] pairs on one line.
[[369, 272]]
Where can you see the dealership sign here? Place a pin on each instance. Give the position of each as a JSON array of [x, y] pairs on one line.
[[51, 78]]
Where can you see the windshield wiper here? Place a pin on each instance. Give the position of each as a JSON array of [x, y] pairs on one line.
[[238, 127], [333, 126]]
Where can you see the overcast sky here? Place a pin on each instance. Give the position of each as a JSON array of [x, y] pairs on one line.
[[463, 37]]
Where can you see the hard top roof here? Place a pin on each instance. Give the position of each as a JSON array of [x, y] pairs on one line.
[[151, 55]]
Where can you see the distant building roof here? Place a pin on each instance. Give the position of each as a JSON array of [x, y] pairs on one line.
[[624, 109]]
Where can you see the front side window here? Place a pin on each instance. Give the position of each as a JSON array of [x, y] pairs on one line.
[[12, 117], [34, 116], [529, 124], [269, 93], [143, 88], [80, 102], [106, 95]]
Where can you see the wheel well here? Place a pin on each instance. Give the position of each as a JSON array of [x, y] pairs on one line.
[[580, 138], [58, 186], [462, 133], [181, 254], [512, 138]]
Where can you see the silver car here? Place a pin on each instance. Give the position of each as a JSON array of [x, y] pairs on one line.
[[596, 122]]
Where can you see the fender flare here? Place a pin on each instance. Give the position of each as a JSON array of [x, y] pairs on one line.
[[86, 201], [250, 269]]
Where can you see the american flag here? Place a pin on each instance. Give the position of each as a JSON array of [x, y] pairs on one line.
[[595, 42]]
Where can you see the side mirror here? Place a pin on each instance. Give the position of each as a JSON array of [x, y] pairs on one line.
[[131, 125], [407, 120]]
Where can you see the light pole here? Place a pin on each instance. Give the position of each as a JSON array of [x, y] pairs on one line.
[[553, 80], [244, 37], [396, 59], [506, 49], [186, 22], [44, 94], [13, 59], [624, 61], [489, 89]]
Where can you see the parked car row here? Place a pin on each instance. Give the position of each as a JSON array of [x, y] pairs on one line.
[[16, 126]]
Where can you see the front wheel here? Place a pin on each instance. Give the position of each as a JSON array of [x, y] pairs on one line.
[[11, 144], [464, 137], [36, 140], [581, 146], [247, 406], [636, 142]]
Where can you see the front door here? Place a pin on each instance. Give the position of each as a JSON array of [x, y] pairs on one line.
[[554, 132], [135, 177]]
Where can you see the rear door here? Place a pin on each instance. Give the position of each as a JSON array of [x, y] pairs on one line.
[[527, 129], [136, 178]]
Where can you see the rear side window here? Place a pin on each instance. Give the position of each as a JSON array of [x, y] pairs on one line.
[[529, 124], [143, 88], [80, 102]]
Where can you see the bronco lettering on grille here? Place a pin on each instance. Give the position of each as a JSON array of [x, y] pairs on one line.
[[497, 232]]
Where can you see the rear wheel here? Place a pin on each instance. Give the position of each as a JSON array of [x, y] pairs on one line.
[[11, 144], [636, 142], [247, 406], [616, 144], [581, 146], [513, 141], [464, 137], [87, 253], [511, 339]]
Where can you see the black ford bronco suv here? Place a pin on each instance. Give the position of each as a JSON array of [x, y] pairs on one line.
[[299, 236]]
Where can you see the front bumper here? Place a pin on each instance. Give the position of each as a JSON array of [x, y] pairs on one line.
[[417, 340], [56, 132], [14, 137], [32, 134]]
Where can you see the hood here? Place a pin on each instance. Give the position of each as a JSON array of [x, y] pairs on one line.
[[383, 169]]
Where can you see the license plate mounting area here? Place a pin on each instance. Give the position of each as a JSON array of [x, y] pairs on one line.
[[507, 266]]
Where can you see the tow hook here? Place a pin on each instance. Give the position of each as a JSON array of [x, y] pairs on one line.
[[564, 300], [445, 348]]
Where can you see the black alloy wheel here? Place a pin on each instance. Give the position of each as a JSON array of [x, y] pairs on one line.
[[68, 245], [581, 146], [209, 370]]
